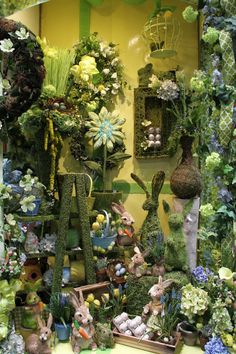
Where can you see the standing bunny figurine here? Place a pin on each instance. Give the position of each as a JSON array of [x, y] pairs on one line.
[[40, 344], [155, 306], [83, 330], [126, 231], [137, 266], [151, 223]]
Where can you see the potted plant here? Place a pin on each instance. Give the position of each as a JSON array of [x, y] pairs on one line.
[[190, 102], [61, 311]]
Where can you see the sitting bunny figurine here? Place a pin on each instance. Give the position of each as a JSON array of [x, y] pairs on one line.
[[104, 336], [40, 344], [82, 328], [137, 266], [155, 306], [126, 231]]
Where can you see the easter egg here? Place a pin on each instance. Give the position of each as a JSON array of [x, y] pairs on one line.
[[151, 130], [122, 271], [118, 273], [118, 266], [151, 137], [96, 226], [158, 130], [100, 218], [158, 137]]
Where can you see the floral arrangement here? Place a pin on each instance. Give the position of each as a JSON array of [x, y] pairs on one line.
[[189, 102], [12, 265], [22, 69], [97, 76], [210, 302]]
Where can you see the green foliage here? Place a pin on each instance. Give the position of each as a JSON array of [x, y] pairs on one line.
[[60, 308]]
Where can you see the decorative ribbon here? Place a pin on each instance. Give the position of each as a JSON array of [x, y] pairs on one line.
[[229, 6], [229, 75]]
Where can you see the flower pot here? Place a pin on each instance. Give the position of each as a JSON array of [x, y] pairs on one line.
[[35, 211], [188, 332], [103, 200], [103, 242], [63, 332], [185, 181]]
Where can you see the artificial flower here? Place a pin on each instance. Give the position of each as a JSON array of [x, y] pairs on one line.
[[189, 14], [10, 219], [213, 161], [215, 346], [27, 203], [194, 302], [201, 275], [5, 192], [211, 36], [105, 128], [6, 46], [85, 70], [168, 91], [220, 321], [227, 275], [207, 210], [155, 82], [22, 33]]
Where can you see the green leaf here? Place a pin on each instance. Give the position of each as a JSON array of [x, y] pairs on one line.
[[228, 169], [118, 157], [234, 180], [94, 166]]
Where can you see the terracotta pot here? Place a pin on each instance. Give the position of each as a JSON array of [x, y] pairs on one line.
[[185, 181]]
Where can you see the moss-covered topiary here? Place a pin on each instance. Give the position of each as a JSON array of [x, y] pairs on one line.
[[180, 278], [175, 255]]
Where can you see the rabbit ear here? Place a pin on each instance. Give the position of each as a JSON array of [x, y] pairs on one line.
[[167, 283], [81, 297], [140, 183], [117, 208], [157, 183], [137, 250], [50, 321], [41, 323], [74, 300], [160, 280]]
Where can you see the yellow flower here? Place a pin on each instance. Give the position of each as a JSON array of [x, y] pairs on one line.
[[85, 70], [116, 292], [100, 218], [105, 297], [90, 298], [86, 304], [96, 226], [97, 303]]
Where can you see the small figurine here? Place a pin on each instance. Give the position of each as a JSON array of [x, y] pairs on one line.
[[48, 243], [175, 248], [35, 343], [155, 306], [31, 242], [34, 305], [137, 266], [82, 328], [126, 231], [104, 336]]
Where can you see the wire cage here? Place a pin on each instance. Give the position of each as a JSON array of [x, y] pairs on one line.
[[162, 32]]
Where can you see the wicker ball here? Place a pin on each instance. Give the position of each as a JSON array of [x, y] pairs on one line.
[[185, 181]]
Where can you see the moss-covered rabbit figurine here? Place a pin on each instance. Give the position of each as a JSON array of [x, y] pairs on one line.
[[151, 223], [104, 336], [82, 327], [175, 248]]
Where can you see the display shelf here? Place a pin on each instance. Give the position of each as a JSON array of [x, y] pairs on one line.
[[51, 254], [37, 218]]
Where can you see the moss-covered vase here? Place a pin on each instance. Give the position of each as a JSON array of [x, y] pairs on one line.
[[185, 181]]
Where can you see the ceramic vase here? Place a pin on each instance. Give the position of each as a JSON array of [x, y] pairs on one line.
[[63, 331], [185, 181]]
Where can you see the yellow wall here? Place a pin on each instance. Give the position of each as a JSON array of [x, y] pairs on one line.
[[123, 24], [29, 17]]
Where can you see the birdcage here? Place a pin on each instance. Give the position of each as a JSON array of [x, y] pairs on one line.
[[162, 32]]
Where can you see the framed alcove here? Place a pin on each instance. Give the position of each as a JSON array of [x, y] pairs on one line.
[[150, 109]]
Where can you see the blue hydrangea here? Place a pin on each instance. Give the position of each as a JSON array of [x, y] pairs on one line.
[[215, 346], [201, 275]]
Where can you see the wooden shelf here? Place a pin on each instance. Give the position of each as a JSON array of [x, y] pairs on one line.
[[51, 254]]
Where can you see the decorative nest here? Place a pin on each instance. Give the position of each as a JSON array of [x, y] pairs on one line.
[[23, 68], [111, 272]]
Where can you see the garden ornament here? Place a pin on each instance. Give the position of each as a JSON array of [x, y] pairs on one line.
[[35, 343]]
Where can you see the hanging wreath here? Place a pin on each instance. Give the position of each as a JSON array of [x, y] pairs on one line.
[[22, 69]]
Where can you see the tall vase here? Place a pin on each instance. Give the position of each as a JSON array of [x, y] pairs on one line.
[[185, 181]]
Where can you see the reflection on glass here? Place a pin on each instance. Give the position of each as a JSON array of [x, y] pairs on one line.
[[8, 7]]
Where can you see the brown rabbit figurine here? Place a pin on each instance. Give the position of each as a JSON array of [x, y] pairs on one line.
[[151, 223], [40, 344], [83, 330], [155, 307], [137, 266], [126, 231]]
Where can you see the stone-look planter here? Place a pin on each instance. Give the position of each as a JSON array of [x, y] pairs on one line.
[[63, 332], [188, 332]]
